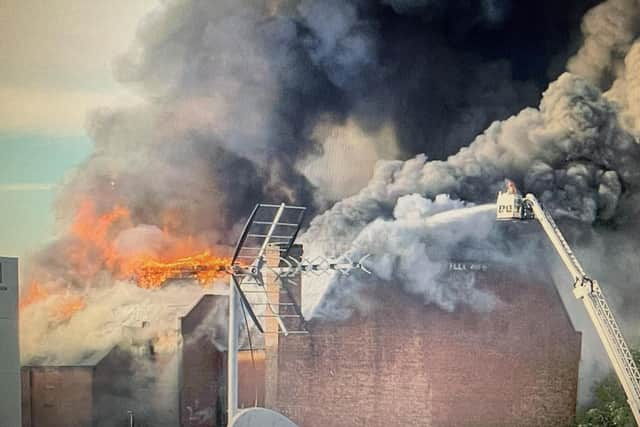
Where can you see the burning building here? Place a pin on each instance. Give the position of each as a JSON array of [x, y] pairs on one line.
[[134, 381], [275, 101], [173, 379], [204, 366], [395, 361]]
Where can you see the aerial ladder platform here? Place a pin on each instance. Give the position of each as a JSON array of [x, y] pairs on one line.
[[512, 206]]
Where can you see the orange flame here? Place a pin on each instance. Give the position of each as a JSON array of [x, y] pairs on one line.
[[69, 306], [35, 292], [96, 251], [204, 267], [92, 227], [93, 250]]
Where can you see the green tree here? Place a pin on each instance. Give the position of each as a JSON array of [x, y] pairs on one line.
[[609, 408]]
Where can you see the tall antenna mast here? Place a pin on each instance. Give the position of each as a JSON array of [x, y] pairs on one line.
[[275, 226]]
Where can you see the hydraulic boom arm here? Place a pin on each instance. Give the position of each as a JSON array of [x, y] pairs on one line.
[[512, 206]]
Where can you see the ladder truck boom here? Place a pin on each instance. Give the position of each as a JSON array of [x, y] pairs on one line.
[[512, 206]]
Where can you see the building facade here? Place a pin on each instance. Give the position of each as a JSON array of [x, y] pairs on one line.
[[186, 387], [411, 364], [9, 345], [399, 363], [203, 372]]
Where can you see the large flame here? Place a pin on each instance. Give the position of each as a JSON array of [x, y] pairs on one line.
[[92, 249], [34, 292], [67, 307], [204, 267]]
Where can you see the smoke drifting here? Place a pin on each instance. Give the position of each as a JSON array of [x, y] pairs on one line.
[[255, 101], [609, 29], [412, 250], [578, 151], [99, 325], [270, 101], [238, 92]]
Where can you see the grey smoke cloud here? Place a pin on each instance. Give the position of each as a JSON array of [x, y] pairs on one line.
[[341, 42], [577, 152], [485, 12], [234, 93], [609, 29], [571, 152], [233, 96]]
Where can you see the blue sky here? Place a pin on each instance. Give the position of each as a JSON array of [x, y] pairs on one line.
[[56, 67], [28, 183]]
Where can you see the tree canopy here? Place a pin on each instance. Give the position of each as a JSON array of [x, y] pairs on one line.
[[609, 407]]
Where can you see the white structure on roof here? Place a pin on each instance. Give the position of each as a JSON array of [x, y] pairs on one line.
[[10, 400]]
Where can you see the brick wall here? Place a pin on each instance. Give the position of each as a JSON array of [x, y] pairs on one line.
[[251, 371], [204, 367], [142, 382], [414, 365], [25, 380], [202, 390], [58, 396]]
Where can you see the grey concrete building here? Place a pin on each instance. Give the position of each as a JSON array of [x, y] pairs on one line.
[[9, 344]]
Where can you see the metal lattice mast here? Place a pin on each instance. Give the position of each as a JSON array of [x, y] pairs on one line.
[[276, 226]]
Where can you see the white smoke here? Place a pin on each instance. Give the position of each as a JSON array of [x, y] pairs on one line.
[[609, 29], [345, 158], [625, 90], [610, 56], [410, 250], [102, 323], [140, 331]]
